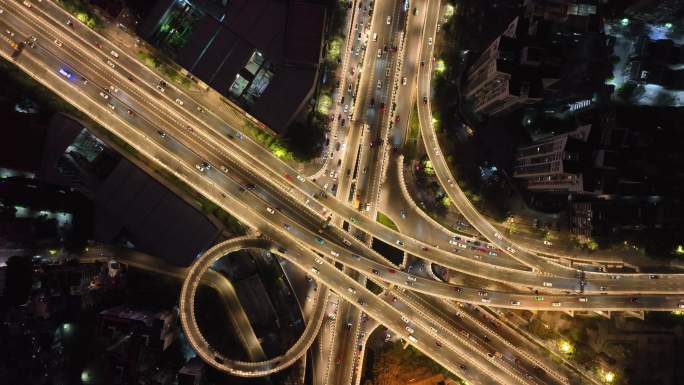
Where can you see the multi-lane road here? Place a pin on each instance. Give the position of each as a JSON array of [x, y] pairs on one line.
[[177, 132]]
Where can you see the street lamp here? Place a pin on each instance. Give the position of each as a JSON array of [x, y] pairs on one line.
[[624, 22]]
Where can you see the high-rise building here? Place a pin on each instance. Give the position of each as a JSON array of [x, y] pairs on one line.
[[555, 164], [509, 73]]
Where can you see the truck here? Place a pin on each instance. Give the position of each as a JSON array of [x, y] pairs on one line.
[[17, 48]]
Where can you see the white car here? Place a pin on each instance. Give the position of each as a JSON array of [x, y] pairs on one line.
[[486, 300], [334, 253], [315, 270], [59, 43], [403, 81], [411, 278], [547, 284], [548, 243], [556, 304], [583, 299], [224, 169], [300, 178], [511, 250], [410, 330], [461, 245], [180, 102], [375, 37], [379, 53], [351, 290], [270, 210], [105, 96], [681, 306], [389, 20], [405, 319], [319, 261], [109, 63], [452, 242], [346, 242], [379, 84], [113, 53], [429, 41], [412, 339], [497, 235], [27, 4]]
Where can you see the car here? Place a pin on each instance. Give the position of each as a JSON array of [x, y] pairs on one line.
[[405, 319], [652, 276], [360, 301], [424, 99], [547, 284], [402, 213], [634, 300], [583, 299], [411, 278], [379, 84], [334, 253], [202, 167], [320, 241], [129, 112], [346, 242], [287, 226], [412, 339], [429, 41], [515, 303], [27, 4], [224, 169], [510, 249], [493, 253], [58, 42], [104, 95], [547, 243], [603, 288], [389, 20], [403, 81], [486, 300], [351, 290], [538, 298], [681, 305], [113, 53], [160, 88], [359, 38], [109, 63], [319, 261], [300, 178], [180, 102], [409, 330], [498, 236], [482, 293], [314, 270], [375, 271], [438, 344], [379, 53], [161, 133], [556, 304], [461, 245], [400, 242], [375, 36], [270, 210]]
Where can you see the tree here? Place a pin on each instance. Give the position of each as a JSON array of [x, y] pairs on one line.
[[19, 276]]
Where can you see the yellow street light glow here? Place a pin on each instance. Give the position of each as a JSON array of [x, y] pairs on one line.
[[607, 376], [449, 11], [440, 67], [679, 249], [565, 346]]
